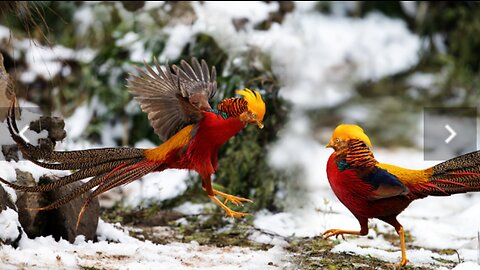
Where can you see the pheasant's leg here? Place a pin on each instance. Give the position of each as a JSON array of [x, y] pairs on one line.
[[207, 186], [399, 228], [404, 260], [234, 199], [402, 246], [336, 232]]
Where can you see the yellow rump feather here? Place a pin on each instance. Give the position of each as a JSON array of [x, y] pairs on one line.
[[178, 140], [407, 176]]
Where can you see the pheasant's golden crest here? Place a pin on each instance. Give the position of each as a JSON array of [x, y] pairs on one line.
[[346, 132], [255, 102]]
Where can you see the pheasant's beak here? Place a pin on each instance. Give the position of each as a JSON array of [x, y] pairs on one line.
[[328, 146], [259, 124]]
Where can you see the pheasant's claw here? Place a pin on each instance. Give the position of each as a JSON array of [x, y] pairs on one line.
[[228, 211], [235, 214], [395, 265], [238, 201], [334, 232]]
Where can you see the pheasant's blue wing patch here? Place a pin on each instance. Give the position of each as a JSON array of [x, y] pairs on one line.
[[385, 184]]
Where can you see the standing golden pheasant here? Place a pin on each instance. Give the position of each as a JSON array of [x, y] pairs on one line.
[[370, 189], [174, 103]]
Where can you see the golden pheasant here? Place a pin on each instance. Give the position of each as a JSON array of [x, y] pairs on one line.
[[370, 189], [173, 102]]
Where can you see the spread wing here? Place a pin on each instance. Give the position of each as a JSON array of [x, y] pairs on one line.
[[196, 78], [167, 97]]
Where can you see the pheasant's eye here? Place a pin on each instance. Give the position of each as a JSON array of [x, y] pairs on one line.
[[337, 140]]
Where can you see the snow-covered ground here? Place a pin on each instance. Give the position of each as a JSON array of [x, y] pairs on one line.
[[434, 223], [117, 250], [318, 59]]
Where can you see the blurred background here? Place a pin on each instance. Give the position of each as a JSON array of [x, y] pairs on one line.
[[317, 64]]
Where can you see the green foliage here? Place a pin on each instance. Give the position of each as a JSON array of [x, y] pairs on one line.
[[243, 166], [205, 47], [389, 8], [458, 24]]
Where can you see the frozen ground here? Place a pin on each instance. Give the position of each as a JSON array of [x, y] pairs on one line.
[[434, 223], [117, 250]]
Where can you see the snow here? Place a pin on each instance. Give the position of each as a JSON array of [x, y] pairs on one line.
[[85, 55], [76, 124], [35, 170], [409, 7], [83, 19], [256, 12], [29, 112], [8, 173], [417, 257], [44, 61], [129, 253], [325, 51], [9, 225], [467, 266], [156, 187], [215, 19], [132, 42], [4, 33], [189, 208], [422, 80], [144, 143], [179, 36], [153, 5]]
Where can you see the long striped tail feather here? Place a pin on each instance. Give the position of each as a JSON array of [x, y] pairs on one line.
[[457, 175], [107, 167], [121, 175], [68, 160], [74, 177]]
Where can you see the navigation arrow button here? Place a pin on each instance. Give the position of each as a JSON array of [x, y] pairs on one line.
[[453, 134]]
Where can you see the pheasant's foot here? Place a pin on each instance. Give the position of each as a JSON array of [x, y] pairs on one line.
[[401, 264], [337, 232], [333, 232], [238, 201], [228, 211]]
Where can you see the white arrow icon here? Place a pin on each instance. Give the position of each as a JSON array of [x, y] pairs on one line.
[[452, 134], [23, 135]]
